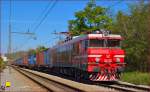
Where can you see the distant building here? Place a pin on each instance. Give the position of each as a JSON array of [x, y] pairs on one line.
[[5, 59]]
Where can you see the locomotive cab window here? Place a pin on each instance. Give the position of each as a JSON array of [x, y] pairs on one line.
[[113, 43], [96, 43]]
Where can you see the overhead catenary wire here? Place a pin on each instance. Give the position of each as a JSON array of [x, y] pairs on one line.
[[45, 16], [41, 21], [35, 29], [42, 14], [106, 9]]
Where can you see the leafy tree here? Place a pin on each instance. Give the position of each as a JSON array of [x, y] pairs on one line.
[[31, 51], [16, 55], [91, 18], [134, 27], [40, 48]]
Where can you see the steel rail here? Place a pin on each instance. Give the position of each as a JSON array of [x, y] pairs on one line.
[[144, 88], [127, 87], [120, 86], [32, 79], [51, 85]]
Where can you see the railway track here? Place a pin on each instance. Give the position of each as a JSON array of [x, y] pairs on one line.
[[127, 87], [51, 85], [55, 86]]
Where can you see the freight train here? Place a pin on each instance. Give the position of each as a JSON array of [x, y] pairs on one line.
[[96, 56]]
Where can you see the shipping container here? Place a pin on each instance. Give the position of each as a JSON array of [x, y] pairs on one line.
[[19, 61], [25, 60], [51, 55], [40, 58], [32, 60], [46, 58]]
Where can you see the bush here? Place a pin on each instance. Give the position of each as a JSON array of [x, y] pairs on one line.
[[2, 64], [139, 78]]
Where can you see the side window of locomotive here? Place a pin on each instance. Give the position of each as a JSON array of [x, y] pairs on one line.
[[113, 43], [85, 44], [96, 43], [73, 50]]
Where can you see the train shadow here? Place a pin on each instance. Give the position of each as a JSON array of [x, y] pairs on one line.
[[75, 80], [80, 80]]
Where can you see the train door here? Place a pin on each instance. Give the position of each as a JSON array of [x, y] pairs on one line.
[[83, 54], [84, 46], [75, 54]]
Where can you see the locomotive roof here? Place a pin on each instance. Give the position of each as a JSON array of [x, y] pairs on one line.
[[90, 36], [102, 36]]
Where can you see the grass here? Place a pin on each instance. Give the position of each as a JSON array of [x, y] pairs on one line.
[[138, 78]]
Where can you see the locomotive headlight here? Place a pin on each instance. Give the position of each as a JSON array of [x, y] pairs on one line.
[[118, 60], [97, 60]]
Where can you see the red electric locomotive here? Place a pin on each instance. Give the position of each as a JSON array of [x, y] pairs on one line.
[[96, 56]]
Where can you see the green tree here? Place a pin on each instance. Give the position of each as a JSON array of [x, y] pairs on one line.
[[41, 48], [134, 27], [31, 51], [16, 55], [91, 18]]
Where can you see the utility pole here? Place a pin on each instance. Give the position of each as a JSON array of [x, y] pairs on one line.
[[10, 33], [9, 30], [0, 28]]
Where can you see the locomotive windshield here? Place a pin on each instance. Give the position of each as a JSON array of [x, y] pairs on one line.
[[113, 43], [104, 43], [96, 43]]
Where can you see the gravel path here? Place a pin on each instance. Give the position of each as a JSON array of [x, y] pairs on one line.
[[19, 82]]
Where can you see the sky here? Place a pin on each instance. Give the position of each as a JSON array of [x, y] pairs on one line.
[[26, 14]]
